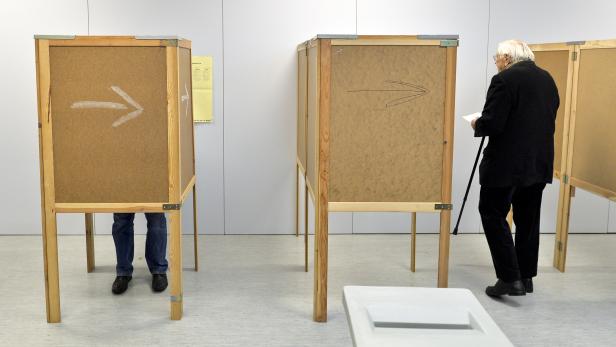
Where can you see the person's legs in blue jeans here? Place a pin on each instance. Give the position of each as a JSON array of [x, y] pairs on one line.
[[156, 243], [123, 236]]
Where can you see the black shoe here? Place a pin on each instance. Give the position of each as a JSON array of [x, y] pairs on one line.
[[528, 284], [159, 282], [515, 288], [120, 284]]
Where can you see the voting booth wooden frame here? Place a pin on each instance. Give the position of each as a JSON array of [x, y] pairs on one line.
[[93, 161], [404, 164], [585, 131]]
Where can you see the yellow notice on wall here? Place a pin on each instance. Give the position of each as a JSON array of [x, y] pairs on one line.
[[202, 88]]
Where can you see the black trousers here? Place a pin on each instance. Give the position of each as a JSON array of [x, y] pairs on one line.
[[512, 261]]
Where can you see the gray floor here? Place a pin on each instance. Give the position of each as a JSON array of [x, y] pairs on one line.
[[252, 291]]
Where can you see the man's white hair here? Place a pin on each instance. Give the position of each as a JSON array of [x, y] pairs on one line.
[[516, 50]]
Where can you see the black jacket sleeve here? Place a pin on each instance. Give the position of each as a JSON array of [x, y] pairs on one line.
[[496, 109]]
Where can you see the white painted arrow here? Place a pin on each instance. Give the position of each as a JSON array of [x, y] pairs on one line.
[[114, 105], [186, 97], [138, 109]]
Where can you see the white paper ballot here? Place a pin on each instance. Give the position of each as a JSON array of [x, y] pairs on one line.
[[472, 117]]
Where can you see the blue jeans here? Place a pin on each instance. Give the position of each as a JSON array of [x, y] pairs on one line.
[[155, 244]]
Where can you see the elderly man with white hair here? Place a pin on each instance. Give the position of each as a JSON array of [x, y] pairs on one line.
[[519, 118]]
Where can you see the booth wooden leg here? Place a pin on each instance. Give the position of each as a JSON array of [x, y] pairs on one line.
[[175, 255], [443, 249], [196, 234], [50, 257], [320, 264], [322, 187], [413, 238], [90, 241], [305, 228], [562, 226], [296, 200]]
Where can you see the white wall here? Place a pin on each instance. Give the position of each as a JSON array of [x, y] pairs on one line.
[[260, 39], [245, 158]]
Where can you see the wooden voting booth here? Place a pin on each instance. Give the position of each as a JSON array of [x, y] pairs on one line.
[[116, 135], [375, 132], [585, 73]]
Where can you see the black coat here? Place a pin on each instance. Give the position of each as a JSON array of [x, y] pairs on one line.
[[519, 117]]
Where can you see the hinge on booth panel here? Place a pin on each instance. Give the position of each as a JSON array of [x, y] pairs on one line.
[[574, 56], [560, 246], [449, 43], [176, 298], [443, 206], [446, 40], [172, 41], [565, 179], [170, 207]]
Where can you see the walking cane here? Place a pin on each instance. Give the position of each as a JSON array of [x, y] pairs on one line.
[[470, 181]]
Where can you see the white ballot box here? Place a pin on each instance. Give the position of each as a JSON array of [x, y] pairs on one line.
[[406, 316]]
